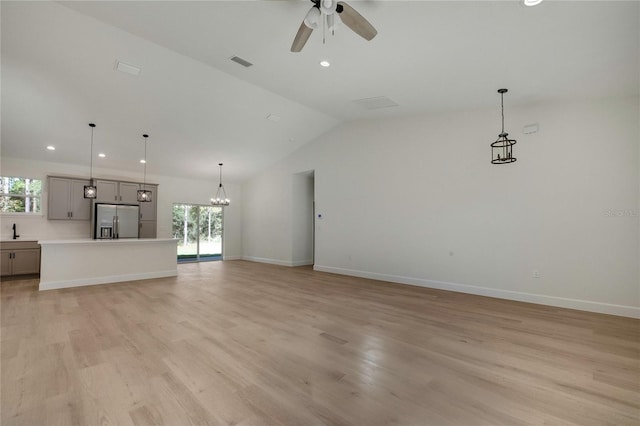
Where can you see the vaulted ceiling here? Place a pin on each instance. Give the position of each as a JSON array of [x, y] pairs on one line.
[[200, 108]]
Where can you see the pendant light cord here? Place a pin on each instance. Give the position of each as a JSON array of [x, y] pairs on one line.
[[92, 125], [144, 179], [502, 107], [91, 161]]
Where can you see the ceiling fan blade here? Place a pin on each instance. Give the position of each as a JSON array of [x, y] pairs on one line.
[[302, 36], [358, 24]]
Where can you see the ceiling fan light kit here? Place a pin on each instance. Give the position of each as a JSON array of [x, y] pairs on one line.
[[330, 14], [502, 148]]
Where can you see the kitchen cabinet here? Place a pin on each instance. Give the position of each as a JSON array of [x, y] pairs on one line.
[[110, 191], [147, 230], [66, 199], [148, 209], [20, 258]]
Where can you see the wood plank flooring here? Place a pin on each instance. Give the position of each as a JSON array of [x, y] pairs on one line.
[[241, 343]]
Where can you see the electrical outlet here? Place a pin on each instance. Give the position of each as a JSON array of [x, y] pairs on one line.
[[535, 273]]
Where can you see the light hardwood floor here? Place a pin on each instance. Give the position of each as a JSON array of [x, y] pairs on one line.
[[243, 343]]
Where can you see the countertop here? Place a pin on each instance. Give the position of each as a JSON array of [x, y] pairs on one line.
[[114, 241]]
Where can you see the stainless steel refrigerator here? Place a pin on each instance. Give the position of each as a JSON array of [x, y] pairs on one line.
[[116, 221]]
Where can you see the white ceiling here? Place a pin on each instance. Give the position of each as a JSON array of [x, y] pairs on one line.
[[200, 108]]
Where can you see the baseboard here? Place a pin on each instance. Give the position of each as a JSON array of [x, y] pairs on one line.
[[278, 261], [52, 285], [231, 257], [582, 305]]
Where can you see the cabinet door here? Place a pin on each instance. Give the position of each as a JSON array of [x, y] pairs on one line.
[[26, 262], [59, 194], [80, 207], [148, 210], [128, 193], [107, 191], [147, 229], [5, 262]]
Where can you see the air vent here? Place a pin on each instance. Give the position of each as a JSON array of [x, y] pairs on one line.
[[376, 103], [127, 68], [239, 60]]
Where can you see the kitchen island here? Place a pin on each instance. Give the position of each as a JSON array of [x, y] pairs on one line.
[[75, 263]]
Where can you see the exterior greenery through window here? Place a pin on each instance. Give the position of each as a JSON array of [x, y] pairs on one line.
[[198, 229], [20, 195]]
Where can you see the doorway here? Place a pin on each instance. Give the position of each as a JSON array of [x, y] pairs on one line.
[[198, 229]]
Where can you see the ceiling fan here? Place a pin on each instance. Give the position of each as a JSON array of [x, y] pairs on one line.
[[331, 13]]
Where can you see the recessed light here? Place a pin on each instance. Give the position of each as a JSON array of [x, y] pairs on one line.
[[531, 2], [325, 64], [143, 161], [102, 155], [51, 148]]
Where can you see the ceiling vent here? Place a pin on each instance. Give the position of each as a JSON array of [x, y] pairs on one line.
[[239, 60], [376, 103], [126, 68]]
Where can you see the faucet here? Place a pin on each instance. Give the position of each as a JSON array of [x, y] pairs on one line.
[[15, 236]]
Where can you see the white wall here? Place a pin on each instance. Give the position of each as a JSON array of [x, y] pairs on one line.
[[171, 190], [416, 200]]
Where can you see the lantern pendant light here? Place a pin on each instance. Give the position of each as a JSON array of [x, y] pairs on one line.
[[221, 195], [90, 191], [144, 196], [502, 149]]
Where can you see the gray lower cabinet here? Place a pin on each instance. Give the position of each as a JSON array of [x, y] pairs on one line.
[[147, 230], [20, 258], [66, 199]]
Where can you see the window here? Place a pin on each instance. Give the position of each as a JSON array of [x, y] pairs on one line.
[[20, 195]]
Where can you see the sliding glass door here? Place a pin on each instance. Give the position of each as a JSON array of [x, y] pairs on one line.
[[198, 229]]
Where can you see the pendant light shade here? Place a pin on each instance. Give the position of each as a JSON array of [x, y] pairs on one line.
[[502, 149], [144, 196], [90, 191], [221, 195]]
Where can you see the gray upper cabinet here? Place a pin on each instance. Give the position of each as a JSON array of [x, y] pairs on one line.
[[107, 191], [66, 199], [129, 192], [110, 191]]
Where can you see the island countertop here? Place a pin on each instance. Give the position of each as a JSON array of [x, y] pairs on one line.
[[109, 241], [81, 262]]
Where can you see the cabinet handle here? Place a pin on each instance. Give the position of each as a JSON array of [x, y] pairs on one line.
[[71, 214]]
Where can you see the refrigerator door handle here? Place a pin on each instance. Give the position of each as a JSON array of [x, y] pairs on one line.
[[115, 227]]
